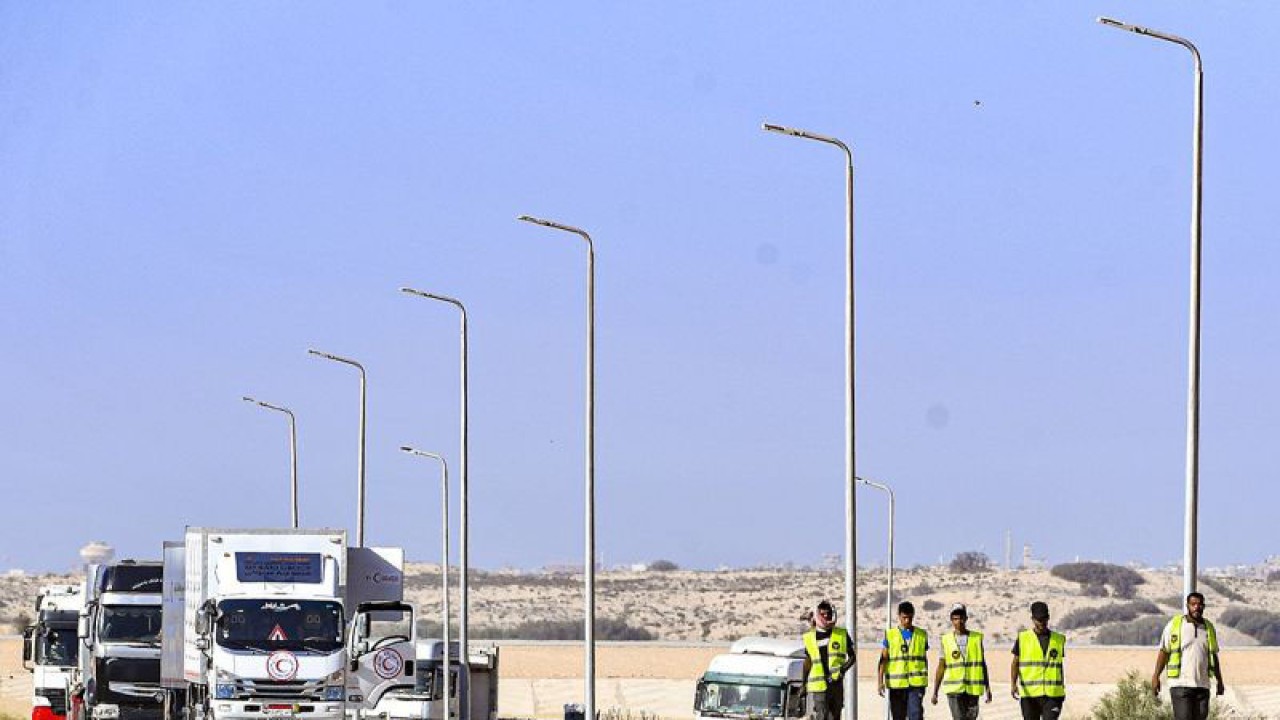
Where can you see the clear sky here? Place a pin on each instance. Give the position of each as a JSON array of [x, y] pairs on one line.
[[191, 195]]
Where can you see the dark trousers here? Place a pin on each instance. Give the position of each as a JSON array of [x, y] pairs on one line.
[[963, 707], [1189, 703], [1041, 708], [827, 705], [906, 703]]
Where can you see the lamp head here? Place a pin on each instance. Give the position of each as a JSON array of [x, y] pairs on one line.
[[1112, 22], [771, 127]]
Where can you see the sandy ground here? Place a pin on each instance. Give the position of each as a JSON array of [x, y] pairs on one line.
[[537, 680]]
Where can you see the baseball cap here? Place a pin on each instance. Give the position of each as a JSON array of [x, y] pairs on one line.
[[1039, 610], [959, 609]]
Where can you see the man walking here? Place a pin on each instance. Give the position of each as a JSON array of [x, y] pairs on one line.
[[1189, 654], [1039, 683], [904, 666], [830, 655], [962, 668]]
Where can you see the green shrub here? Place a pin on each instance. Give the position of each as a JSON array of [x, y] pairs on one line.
[[1143, 631], [1261, 625], [931, 605], [663, 566], [1094, 590], [970, 561], [1131, 700], [1096, 573], [1221, 587], [1089, 617], [1273, 576]]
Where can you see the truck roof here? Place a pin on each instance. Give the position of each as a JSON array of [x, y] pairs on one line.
[[777, 647], [740, 667]]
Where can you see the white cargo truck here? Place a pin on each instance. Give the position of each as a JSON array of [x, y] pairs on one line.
[[394, 675], [262, 624], [50, 649], [118, 668], [758, 678]]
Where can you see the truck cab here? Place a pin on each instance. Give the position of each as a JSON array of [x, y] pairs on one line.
[[50, 649], [118, 675], [758, 678], [254, 623]]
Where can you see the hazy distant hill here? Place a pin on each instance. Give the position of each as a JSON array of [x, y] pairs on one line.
[[727, 604]]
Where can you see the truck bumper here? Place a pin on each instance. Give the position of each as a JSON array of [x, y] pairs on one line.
[[269, 710]]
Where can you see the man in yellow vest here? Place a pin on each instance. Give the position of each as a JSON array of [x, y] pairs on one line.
[[1039, 683], [1189, 652], [962, 668], [904, 666], [831, 653]]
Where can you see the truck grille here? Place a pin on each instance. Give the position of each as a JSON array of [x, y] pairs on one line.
[[283, 689]]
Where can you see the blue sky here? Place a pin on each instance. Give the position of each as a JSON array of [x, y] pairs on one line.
[[193, 195]]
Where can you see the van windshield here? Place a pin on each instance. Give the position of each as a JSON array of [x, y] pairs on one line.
[[268, 625], [739, 699]]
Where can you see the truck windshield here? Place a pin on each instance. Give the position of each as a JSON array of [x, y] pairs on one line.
[[739, 700], [131, 623], [268, 625], [57, 647]]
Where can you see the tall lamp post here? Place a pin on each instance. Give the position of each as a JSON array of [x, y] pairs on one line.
[[446, 660], [888, 598], [360, 451], [463, 538], [1191, 526], [850, 502], [293, 454], [589, 591]]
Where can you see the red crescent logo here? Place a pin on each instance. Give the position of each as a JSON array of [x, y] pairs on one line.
[[282, 665], [388, 663]]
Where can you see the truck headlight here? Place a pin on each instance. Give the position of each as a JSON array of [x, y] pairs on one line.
[[333, 692], [224, 691]]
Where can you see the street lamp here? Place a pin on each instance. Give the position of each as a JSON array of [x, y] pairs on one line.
[[589, 591], [293, 454], [888, 598], [850, 502], [446, 662], [360, 451], [463, 538], [1190, 529]]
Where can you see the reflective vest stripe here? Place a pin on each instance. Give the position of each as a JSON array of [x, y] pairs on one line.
[[908, 664], [965, 676], [1039, 673], [837, 654], [1174, 667]]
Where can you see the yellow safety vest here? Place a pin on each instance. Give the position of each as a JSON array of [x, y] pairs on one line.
[[837, 652], [966, 672], [1175, 648], [1041, 675], [908, 666]]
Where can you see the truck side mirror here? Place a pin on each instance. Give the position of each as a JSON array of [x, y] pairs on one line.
[[83, 622], [28, 647]]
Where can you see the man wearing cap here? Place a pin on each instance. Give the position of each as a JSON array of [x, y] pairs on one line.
[[1036, 674], [1189, 652], [962, 668], [904, 666], [830, 655]]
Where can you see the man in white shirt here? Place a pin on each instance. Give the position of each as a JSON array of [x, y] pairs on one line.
[[1189, 652]]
